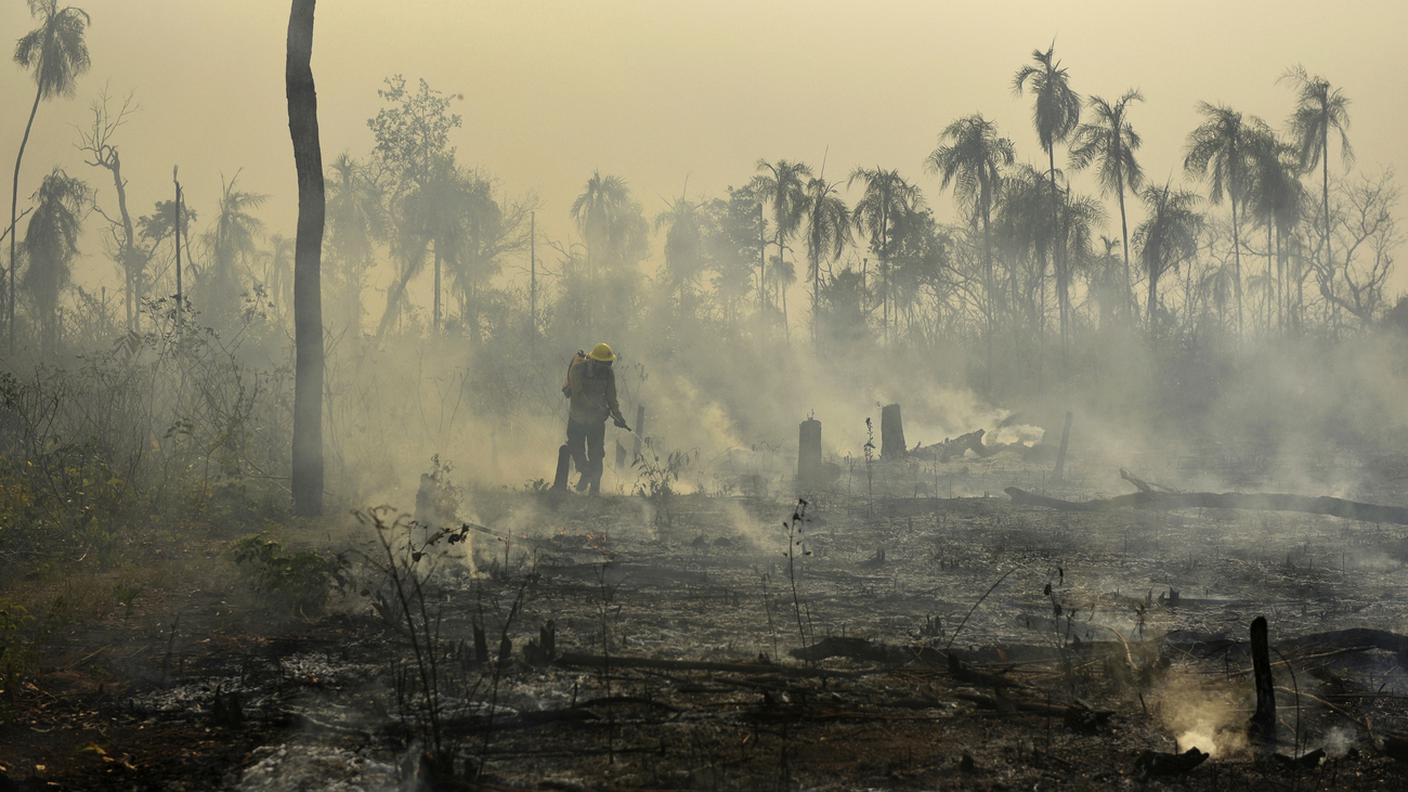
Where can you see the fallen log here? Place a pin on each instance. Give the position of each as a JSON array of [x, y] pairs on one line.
[[1145, 486], [953, 447], [1151, 764], [1165, 501], [580, 659]]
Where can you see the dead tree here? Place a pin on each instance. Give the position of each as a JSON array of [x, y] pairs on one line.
[[97, 144]]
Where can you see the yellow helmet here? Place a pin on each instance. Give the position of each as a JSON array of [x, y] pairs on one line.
[[602, 352]]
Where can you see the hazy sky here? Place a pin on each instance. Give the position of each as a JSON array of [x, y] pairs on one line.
[[661, 91]]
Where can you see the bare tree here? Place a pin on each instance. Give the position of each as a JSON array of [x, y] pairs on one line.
[[100, 151], [1366, 234]]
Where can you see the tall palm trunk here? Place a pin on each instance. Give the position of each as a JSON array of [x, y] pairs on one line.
[[1324, 190], [1270, 282], [816, 300], [307, 296], [762, 261], [435, 321], [14, 207], [1280, 284], [1149, 309], [1124, 236], [1058, 251], [988, 287], [1236, 259], [885, 265]]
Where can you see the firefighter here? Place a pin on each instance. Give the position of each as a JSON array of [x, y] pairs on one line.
[[591, 388]]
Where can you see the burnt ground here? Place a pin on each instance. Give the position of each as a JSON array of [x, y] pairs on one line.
[[1104, 635]]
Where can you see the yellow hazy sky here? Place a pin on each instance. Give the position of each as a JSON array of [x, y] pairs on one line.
[[664, 91]]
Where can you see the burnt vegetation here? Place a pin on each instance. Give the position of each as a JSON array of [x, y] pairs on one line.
[[275, 508]]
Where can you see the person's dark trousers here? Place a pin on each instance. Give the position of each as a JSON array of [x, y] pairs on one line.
[[587, 443]]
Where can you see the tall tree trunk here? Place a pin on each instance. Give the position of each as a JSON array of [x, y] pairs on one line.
[[307, 298], [435, 317], [762, 261], [1149, 310], [14, 207], [1280, 284], [988, 286], [1324, 189], [1236, 259], [1270, 281], [1057, 252], [1124, 235], [176, 234]]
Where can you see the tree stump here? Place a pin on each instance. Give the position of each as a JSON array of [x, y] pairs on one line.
[[892, 433], [564, 463], [809, 454], [1262, 728]]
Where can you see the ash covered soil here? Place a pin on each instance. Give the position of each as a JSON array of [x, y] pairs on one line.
[[909, 641]]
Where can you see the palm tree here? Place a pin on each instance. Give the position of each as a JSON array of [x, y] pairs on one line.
[[56, 54], [683, 221], [1168, 236], [1320, 108], [307, 483], [970, 156], [828, 232], [50, 243], [887, 199], [1109, 142], [1275, 198], [278, 272], [1220, 148], [783, 185], [1080, 215], [600, 212], [432, 215], [232, 241], [1055, 114], [356, 221]]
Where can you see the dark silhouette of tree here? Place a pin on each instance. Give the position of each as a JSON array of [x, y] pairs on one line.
[[1055, 114], [357, 220], [100, 151], [1167, 237], [412, 149], [783, 185], [1109, 142], [56, 54], [307, 288], [1220, 149], [50, 243], [684, 223], [232, 241], [886, 199], [1320, 109], [970, 157], [828, 232], [1276, 199]]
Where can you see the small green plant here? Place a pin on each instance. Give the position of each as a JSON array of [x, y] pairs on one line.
[[657, 478], [301, 580]]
